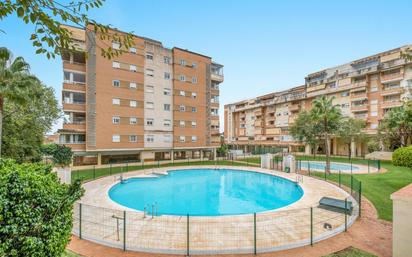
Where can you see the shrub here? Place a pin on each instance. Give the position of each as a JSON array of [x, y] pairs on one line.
[[35, 210], [373, 146], [403, 157]]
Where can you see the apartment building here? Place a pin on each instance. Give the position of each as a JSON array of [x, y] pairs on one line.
[[150, 103], [365, 89]]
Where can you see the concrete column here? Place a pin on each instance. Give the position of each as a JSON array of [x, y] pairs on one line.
[[307, 149], [353, 148], [381, 144], [172, 155], [335, 146], [214, 153], [99, 159], [201, 154]]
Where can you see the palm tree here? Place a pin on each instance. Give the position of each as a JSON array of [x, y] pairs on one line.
[[14, 81], [327, 117]]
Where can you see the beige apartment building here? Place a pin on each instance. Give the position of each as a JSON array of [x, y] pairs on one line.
[[150, 103], [365, 89]]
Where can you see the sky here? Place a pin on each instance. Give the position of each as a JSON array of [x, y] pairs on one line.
[[265, 46]]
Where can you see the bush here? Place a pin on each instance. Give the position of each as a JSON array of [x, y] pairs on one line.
[[35, 210], [403, 157], [373, 146]]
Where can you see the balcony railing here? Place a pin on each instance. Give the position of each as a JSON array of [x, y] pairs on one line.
[[390, 77]]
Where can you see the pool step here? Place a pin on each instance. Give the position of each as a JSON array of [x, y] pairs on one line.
[[160, 173]]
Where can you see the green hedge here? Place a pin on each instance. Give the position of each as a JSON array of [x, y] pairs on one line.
[[403, 157]]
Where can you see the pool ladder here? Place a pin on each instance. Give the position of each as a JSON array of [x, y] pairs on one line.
[[150, 210], [299, 179]]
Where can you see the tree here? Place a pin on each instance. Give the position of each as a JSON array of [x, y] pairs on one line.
[[25, 125], [326, 117], [49, 37], [35, 210], [350, 130], [62, 155], [15, 82], [305, 129], [396, 126], [222, 150]]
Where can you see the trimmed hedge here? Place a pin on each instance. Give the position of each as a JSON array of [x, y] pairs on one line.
[[403, 157]]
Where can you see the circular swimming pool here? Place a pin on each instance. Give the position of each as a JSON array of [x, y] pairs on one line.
[[206, 192]]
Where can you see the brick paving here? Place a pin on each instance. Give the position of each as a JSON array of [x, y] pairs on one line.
[[368, 233]]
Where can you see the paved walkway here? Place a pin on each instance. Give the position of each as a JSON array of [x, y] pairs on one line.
[[368, 233]]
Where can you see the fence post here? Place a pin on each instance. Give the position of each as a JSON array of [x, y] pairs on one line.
[[94, 171], [80, 220], [325, 173], [187, 235], [311, 226], [379, 165], [346, 217], [340, 182], [158, 163], [254, 233], [309, 167], [124, 230], [360, 199], [351, 184], [142, 164], [110, 170], [368, 167]]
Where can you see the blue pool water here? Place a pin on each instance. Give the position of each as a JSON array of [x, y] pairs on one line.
[[207, 192], [322, 165]]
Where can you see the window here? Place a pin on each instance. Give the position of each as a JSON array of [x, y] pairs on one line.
[[345, 105], [149, 56], [133, 68], [167, 75], [182, 108], [182, 62], [133, 50], [133, 138], [116, 83], [149, 122], [116, 119], [166, 59], [166, 107], [345, 93], [194, 138], [194, 109], [116, 101], [194, 65], [167, 138], [150, 138], [116, 45], [374, 101], [216, 112], [182, 93], [133, 120], [182, 78], [167, 123], [182, 123], [182, 139], [194, 95], [133, 103], [133, 85], [194, 124], [194, 80], [116, 65], [150, 72], [374, 89], [166, 91], [374, 114], [116, 138], [149, 89], [149, 105]]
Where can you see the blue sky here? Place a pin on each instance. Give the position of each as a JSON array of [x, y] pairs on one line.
[[265, 46]]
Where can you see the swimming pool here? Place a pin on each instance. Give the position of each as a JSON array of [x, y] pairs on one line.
[[321, 166], [207, 192]]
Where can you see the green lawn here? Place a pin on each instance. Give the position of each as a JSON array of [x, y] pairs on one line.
[[351, 252], [68, 253]]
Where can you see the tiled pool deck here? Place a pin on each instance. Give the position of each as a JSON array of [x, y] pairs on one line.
[[283, 228]]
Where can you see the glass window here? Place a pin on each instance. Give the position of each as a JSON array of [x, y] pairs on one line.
[[166, 59], [149, 56], [116, 65], [194, 95], [149, 105], [116, 119], [182, 108], [133, 120], [133, 50], [133, 138], [133, 68], [116, 45], [116, 83], [166, 91], [149, 122], [182, 78], [149, 138], [116, 101], [182, 93], [149, 89], [167, 123], [167, 75], [133, 103], [194, 80], [194, 109], [182, 139], [194, 124], [182, 123], [194, 138], [167, 138], [166, 107], [182, 62], [150, 72], [116, 138], [132, 85]]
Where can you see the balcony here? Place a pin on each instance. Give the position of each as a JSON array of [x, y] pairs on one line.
[[294, 107], [358, 96], [359, 108], [392, 91], [67, 65], [361, 116], [391, 104], [258, 123], [361, 83], [74, 86], [81, 107], [214, 132], [391, 77], [216, 72]]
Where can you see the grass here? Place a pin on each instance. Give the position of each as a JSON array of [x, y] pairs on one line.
[[69, 253], [351, 252]]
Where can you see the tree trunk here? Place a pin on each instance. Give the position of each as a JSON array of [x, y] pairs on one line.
[[327, 154], [1, 121]]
